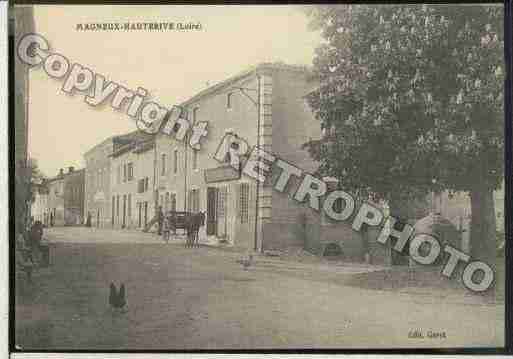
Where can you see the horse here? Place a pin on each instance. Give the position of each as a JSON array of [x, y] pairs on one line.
[[193, 223]]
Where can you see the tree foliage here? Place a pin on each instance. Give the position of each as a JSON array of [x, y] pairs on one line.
[[411, 97]]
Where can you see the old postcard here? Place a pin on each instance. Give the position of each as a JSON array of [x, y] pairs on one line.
[[238, 177]]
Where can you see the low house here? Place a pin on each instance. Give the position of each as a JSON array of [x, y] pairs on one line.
[[66, 198]]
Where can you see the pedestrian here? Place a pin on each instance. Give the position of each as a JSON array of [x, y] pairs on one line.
[[88, 220], [160, 218], [35, 237], [23, 257], [166, 228]]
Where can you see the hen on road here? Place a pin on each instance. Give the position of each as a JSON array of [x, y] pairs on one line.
[[117, 300]]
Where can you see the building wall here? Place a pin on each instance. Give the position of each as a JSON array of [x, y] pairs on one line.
[[143, 168], [122, 189], [56, 200], [97, 201], [39, 207], [21, 21], [293, 125], [242, 119], [74, 197]]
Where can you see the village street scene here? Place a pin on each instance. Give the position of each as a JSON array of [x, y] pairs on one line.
[[135, 230]]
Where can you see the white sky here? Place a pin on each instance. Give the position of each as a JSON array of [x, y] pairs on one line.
[[171, 65]]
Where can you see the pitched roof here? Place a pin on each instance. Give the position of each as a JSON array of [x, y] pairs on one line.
[[132, 141], [269, 66]]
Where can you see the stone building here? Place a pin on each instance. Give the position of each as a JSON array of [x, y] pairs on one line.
[[56, 199], [66, 198], [132, 180], [238, 211], [74, 196], [148, 171], [39, 205], [21, 21], [97, 184]]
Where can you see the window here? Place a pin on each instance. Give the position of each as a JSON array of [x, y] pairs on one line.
[[194, 159], [175, 161], [146, 184], [117, 206], [124, 173], [195, 114], [119, 174], [193, 202], [140, 186], [129, 206], [166, 204], [173, 201], [130, 170], [163, 171], [229, 101], [243, 202]]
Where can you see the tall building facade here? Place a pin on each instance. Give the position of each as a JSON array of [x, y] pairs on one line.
[[97, 204], [66, 198], [21, 21], [132, 180], [39, 205], [265, 106]]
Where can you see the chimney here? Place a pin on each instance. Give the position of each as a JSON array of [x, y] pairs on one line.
[[71, 169], [61, 172]]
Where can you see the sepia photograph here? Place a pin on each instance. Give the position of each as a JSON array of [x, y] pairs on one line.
[[257, 177]]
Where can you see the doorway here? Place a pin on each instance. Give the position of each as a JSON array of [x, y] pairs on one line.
[[139, 210], [211, 211], [222, 200], [124, 211], [145, 214], [173, 202]]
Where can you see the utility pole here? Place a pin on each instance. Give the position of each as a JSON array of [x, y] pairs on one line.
[[258, 170], [185, 172], [155, 193], [257, 104]]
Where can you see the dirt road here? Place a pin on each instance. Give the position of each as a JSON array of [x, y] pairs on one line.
[[201, 298]]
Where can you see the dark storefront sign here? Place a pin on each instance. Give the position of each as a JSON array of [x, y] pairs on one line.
[[224, 173]]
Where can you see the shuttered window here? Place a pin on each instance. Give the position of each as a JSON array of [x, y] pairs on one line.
[[243, 202], [175, 161], [193, 202]]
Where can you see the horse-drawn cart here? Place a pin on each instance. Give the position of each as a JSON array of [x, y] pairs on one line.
[[178, 220], [188, 221]]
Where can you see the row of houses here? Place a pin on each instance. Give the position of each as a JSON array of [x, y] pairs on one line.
[[128, 177], [59, 200]]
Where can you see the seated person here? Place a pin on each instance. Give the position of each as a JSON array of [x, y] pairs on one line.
[[23, 257]]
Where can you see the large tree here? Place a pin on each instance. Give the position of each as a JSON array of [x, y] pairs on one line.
[[412, 98]]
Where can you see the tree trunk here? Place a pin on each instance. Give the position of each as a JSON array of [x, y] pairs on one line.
[[483, 235]]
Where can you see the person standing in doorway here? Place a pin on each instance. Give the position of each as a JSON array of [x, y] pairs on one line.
[[166, 228], [88, 220], [160, 218]]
